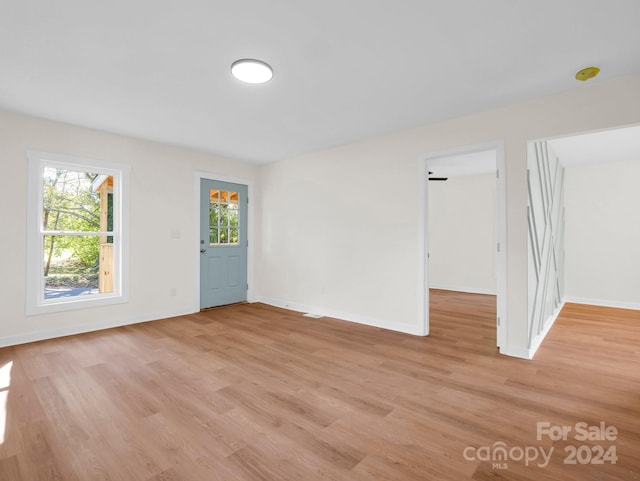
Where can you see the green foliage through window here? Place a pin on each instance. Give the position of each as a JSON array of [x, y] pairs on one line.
[[110, 216], [71, 221], [223, 217]]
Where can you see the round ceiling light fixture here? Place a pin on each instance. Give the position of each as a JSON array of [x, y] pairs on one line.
[[251, 71], [587, 73]]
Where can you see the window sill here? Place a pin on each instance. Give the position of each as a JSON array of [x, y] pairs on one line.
[[87, 302]]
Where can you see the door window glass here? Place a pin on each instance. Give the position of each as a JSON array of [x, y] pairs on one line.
[[223, 217]]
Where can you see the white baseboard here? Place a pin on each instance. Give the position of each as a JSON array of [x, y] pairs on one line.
[[470, 290], [528, 353], [343, 316], [603, 303], [83, 328], [516, 351]]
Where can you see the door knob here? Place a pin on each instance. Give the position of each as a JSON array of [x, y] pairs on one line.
[[202, 251]]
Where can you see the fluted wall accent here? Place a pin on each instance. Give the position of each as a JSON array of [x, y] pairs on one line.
[[546, 235]]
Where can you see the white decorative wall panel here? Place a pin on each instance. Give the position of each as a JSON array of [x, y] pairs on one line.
[[546, 235]]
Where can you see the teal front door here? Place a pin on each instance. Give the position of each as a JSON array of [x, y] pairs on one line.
[[223, 243]]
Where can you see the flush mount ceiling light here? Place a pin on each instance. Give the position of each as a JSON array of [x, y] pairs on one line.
[[251, 71], [587, 73]]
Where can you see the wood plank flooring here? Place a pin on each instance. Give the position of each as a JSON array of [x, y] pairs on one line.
[[251, 392]]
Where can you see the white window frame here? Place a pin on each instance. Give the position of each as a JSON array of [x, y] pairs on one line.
[[35, 300]]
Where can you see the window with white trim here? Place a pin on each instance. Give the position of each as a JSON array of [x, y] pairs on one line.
[[76, 236]]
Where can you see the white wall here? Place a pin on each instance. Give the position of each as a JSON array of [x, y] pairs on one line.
[[330, 229], [462, 234], [340, 228], [337, 229], [603, 234], [161, 199]]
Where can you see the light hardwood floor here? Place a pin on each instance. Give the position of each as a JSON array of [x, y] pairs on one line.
[[251, 392]]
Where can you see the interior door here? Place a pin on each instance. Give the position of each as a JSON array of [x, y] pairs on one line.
[[223, 243]]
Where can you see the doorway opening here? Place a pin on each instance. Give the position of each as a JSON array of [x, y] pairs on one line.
[[582, 235], [464, 237]]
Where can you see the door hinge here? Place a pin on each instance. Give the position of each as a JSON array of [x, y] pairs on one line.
[[247, 286], [498, 246], [497, 174], [498, 321]]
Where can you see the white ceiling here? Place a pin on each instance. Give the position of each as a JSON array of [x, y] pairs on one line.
[[344, 70], [598, 147]]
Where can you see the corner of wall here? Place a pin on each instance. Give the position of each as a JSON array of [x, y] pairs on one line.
[[536, 342]]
